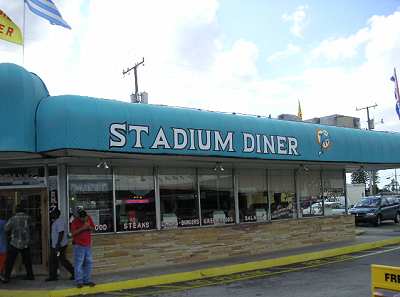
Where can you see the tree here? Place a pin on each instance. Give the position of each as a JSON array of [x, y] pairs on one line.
[[364, 177], [376, 182], [359, 177]]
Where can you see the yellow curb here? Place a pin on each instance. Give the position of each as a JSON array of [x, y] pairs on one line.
[[201, 273]]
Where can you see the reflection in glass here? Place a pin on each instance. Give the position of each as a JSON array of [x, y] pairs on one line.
[[281, 193], [334, 198], [178, 198], [253, 196], [311, 201], [91, 189], [216, 197], [135, 199]]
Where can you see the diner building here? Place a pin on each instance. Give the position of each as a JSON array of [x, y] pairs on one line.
[[167, 185]]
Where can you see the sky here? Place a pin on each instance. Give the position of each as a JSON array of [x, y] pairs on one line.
[[253, 57]]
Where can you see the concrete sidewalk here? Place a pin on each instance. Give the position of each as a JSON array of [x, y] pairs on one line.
[[368, 238]]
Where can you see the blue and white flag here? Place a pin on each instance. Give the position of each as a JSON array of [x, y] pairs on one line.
[[47, 10], [396, 92]]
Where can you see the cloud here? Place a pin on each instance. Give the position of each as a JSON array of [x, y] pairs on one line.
[[342, 48], [188, 64], [289, 51], [298, 20]]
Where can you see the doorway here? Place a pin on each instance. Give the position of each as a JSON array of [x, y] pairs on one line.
[[36, 203]]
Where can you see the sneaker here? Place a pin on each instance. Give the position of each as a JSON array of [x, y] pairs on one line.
[[90, 284], [79, 286], [5, 280]]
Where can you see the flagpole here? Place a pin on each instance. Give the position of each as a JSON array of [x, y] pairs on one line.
[[23, 34], [397, 84]]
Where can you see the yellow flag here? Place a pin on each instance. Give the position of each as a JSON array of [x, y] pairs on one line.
[[299, 113], [8, 30]]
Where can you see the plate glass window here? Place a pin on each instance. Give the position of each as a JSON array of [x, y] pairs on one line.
[[216, 197], [311, 201], [178, 198], [281, 193], [253, 195], [135, 199], [333, 186], [92, 190]]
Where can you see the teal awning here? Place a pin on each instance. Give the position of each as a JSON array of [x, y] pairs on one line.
[[83, 123]]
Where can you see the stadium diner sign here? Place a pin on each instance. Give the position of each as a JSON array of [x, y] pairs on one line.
[[173, 138]]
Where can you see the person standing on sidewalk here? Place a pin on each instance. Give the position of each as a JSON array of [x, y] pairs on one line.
[[81, 228], [20, 227], [59, 243], [3, 245]]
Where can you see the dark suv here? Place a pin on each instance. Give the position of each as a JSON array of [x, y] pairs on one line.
[[375, 209]]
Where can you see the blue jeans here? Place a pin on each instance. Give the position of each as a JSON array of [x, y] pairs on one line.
[[83, 263]]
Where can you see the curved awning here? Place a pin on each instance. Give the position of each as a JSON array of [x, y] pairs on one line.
[[34, 122], [75, 122]]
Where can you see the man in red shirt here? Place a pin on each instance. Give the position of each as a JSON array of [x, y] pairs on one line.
[[81, 228]]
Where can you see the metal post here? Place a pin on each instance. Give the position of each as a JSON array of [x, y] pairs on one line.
[[346, 201], [199, 196], [372, 174], [236, 194], [296, 176], [136, 84], [157, 197], [114, 200], [23, 35]]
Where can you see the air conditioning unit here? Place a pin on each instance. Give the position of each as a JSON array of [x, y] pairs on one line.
[[134, 98], [144, 97]]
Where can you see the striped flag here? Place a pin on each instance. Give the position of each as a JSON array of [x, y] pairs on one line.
[[396, 92], [47, 10]]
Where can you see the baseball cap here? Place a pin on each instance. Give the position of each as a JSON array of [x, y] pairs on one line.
[[82, 213]]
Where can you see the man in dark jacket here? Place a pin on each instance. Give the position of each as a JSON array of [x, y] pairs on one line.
[[19, 227]]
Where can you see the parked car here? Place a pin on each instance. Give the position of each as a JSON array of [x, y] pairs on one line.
[[329, 208], [313, 210], [375, 209]]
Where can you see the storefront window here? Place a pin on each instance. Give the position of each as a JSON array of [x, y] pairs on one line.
[[253, 196], [281, 194], [91, 189], [311, 201], [135, 199], [333, 186], [216, 197], [178, 198]]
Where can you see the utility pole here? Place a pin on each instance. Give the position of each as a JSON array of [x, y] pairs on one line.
[[134, 68], [369, 120], [370, 127]]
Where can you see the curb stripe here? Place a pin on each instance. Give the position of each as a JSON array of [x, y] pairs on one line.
[[201, 273]]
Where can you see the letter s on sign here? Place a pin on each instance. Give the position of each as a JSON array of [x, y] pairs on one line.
[[117, 135]]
